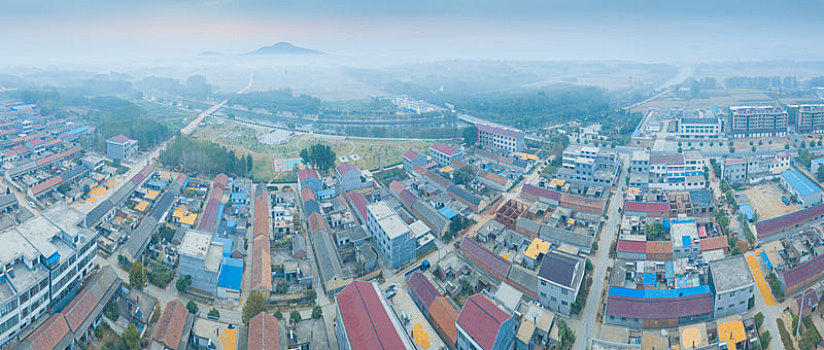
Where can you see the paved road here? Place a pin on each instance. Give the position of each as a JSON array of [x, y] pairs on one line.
[[191, 127], [600, 261]]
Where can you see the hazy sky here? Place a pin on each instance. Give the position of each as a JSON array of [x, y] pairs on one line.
[[645, 30]]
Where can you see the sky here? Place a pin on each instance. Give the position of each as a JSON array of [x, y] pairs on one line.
[[638, 30]]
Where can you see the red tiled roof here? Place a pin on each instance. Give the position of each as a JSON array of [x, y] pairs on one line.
[[537, 192], [659, 247], [346, 167], [367, 323], [261, 263], [499, 131], [407, 197], [714, 243], [306, 194], [169, 329], [631, 246], [803, 274], [411, 155], [79, 308], [307, 172], [46, 185], [316, 223], [359, 202], [482, 320], [50, 333], [775, 225], [396, 186], [443, 148], [58, 156], [423, 289], [594, 206], [263, 332], [646, 207], [262, 226], [490, 260], [657, 308], [443, 316], [119, 138], [666, 159]]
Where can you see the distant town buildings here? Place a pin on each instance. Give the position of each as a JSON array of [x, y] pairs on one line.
[[121, 148], [504, 139]]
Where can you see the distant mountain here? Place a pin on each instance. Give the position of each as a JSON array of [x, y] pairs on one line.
[[284, 48], [210, 53]]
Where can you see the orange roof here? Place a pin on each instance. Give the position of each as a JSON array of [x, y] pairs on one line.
[[141, 206], [443, 316], [659, 247], [189, 219], [713, 243], [152, 195], [170, 327]]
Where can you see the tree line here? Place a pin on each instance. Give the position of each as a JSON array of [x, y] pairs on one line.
[[205, 156]]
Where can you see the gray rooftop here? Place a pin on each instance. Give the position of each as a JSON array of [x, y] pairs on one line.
[[730, 273], [562, 269]]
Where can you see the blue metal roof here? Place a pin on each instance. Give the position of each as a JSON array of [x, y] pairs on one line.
[[649, 279], [747, 210], [329, 192], [801, 184], [447, 212], [231, 273], [766, 260], [227, 245], [239, 196], [155, 183], [686, 241], [658, 293], [53, 258]]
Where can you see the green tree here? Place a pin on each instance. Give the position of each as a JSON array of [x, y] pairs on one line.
[[294, 317], [255, 304], [192, 307], [317, 312], [136, 277], [758, 319], [819, 174], [470, 135], [278, 315], [183, 283], [766, 338], [319, 156], [214, 313], [131, 337], [464, 175]]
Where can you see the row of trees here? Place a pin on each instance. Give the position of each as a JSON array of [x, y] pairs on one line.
[[205, 156], [321, 157]]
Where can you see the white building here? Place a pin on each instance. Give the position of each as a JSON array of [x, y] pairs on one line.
[[589, 166], [391, 234], [43, 262], [699, 128], [504, 139]]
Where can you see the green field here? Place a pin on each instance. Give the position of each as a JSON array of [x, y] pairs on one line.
[[373, 153], [174, 118]]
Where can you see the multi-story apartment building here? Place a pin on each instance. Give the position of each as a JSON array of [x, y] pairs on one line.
[[667, 171], [807, 118], [589, 165], [699, 128], [752, 169], [732, 285], [391, 234], [444, 154], [43, 261], [121, 147], [510, 140], [757, 121]]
